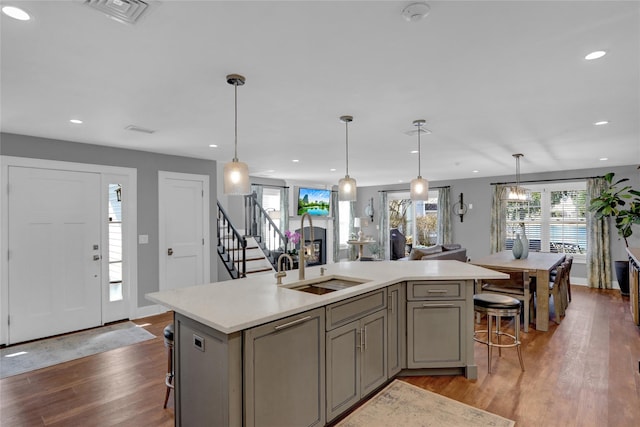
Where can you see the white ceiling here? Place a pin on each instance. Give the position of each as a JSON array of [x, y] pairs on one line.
[[491, 78]]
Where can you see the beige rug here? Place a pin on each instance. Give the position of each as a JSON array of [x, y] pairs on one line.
[[403, 404]]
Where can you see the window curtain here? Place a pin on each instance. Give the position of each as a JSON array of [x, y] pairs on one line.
[[352, 230], [383, 222], [498, 220], [284, 209], [444, 216], [335, 206], [598, 253], [257, 190]]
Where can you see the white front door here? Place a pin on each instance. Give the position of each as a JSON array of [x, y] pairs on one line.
[[183, 234], [54, 252]]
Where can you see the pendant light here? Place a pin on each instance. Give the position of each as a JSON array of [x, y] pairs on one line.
[[518, 193], [236, 173], [419, 185], [347, 186]]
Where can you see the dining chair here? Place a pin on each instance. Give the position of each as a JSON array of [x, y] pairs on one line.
[[516, 286], [557, 288]]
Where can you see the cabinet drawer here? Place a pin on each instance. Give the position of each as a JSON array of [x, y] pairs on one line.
[[426, 290], [343, 312]]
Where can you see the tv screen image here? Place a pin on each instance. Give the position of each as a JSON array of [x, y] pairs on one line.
[[314, 201]]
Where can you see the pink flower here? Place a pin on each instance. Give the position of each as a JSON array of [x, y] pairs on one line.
[[293, 236]]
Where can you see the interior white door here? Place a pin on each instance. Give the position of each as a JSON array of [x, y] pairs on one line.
[[182, 230], [54, 252]]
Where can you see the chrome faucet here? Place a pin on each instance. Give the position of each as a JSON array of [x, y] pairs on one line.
[[306, 252], [281, 273]]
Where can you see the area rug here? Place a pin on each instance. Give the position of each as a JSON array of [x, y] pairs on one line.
[[34, 355], [403, 404]]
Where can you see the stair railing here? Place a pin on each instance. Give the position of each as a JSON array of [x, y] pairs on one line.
[[232, 246]]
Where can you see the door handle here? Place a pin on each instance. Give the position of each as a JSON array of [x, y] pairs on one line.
[[96, 257], [169, 251]]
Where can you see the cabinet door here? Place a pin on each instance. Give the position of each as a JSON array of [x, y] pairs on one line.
[[373, 368], [435, 334], [284, 372], [396, 327], [343, 368]]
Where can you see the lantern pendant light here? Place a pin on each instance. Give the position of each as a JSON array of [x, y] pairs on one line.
[[517, 193], [419, 185], [347, 186], [236, 173]]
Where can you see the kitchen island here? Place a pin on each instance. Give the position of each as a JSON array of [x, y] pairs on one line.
[[249, 352]]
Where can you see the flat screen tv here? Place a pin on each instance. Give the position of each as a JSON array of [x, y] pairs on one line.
[[314, 201]]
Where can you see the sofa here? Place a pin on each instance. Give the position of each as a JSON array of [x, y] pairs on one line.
[[439, 252]]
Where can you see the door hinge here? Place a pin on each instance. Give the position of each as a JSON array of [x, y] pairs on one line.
[[9, 320], [203, 241], [202, 193]]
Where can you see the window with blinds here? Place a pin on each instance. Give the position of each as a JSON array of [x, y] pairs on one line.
[[554, 218]]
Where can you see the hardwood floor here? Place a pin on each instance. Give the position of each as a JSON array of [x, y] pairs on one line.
[[583, 372]]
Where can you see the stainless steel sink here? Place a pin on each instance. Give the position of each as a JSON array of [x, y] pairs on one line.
[[327, 285]]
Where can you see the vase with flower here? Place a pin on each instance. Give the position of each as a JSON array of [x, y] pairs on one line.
[[293, 238]]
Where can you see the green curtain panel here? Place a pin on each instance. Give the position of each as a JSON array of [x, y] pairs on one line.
[[335, 206], [383, 220], [444, 216], [598, 252], [498, 220]]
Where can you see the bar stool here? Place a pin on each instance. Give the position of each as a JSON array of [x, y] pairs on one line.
[[168, 342], [498, 306]]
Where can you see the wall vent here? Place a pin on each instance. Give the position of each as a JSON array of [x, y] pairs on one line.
[[135, 128], [127, 11]]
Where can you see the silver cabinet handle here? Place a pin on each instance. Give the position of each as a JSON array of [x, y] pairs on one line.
[[392, 306], [438, 305], [359, 339], [364, 338], [292, 323], [437, 291]]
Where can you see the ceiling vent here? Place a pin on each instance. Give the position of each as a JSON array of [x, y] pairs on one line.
[[414, 132], [127, 11], [135, 128]]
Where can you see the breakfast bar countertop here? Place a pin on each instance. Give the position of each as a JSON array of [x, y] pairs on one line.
[[234, 305]]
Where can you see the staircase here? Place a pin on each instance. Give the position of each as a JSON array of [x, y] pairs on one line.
[[241, 254], [255, 258]]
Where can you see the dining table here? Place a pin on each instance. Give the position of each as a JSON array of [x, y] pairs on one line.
[[539, 265]]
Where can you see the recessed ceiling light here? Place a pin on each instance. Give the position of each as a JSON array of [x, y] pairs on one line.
[[602, 122], [76, 121], [295, 160], [332, 169], [595, 55], [414, 151], [602, 159], [213, 145], [475, 171], [16, 13]]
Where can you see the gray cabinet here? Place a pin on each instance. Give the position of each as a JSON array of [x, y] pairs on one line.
[[284, 367], [208, 381], [356, 351], [437, 332], [396, 321]]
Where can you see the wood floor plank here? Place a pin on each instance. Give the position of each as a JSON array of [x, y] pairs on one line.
[[583, 372]]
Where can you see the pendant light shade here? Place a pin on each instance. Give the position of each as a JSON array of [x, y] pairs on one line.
[[236, 173], [517, 193], [347, 190], [419, 185]]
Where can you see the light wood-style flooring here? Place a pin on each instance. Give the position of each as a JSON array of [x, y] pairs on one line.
[[583, 372]]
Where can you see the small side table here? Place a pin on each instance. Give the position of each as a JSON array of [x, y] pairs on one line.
[[360, 244]]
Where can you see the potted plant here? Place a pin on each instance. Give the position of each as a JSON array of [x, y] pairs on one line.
[[622, 203]]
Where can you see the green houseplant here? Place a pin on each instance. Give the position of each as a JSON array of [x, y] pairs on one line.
[[622, 203]]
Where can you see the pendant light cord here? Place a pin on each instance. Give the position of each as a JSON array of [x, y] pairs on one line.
[[419, 154], [346, 132], [235, 153]]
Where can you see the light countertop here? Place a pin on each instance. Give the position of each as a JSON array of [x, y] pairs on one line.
[[234, 305]]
